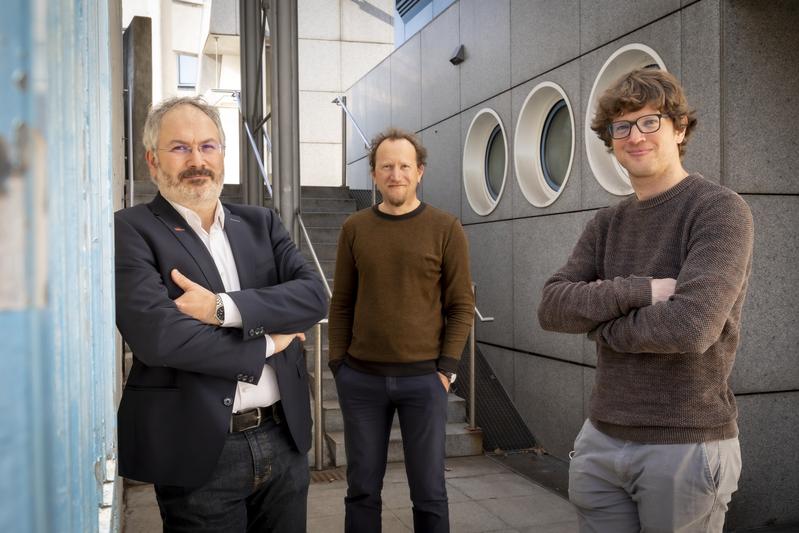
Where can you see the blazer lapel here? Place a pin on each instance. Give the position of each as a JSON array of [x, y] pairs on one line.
[[190, 241], [241, 247]]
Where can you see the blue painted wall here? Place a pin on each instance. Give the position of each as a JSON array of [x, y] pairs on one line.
[[58, 354]]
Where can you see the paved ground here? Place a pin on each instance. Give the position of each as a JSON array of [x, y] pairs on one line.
[[484, 496]]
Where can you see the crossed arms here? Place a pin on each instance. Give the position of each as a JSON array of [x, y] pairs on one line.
[[166, 323], [640, 314]]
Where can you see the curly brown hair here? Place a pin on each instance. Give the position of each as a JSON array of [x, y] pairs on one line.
[[395, 134], [637, 89]]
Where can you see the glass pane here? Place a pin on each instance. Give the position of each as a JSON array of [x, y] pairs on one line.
[[495, 162], [187, 70], [556, 145]]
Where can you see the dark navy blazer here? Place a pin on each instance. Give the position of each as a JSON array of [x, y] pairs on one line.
[[176, 406]]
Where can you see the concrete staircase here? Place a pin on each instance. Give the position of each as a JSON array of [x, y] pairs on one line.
[[324, 210]]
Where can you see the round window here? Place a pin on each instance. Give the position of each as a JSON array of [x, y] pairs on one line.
[[485, 161], [606, 169], [544, 144], [495, 163], [556, 143]]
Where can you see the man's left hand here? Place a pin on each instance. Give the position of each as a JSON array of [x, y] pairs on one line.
[[196, 301], [444, 381]]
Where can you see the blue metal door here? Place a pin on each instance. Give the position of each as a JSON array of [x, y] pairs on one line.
[[58, 354]]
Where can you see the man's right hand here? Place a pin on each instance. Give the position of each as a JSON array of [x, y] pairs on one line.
[[282, 340], [662, 289]]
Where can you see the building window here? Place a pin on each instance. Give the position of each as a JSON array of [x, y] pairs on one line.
[[187, 71], [485, 161], [495, 163], [556, 143], [544, 144], [606, 169]]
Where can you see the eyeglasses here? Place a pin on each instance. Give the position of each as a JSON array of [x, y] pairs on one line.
[[184, 150], [622, 129]]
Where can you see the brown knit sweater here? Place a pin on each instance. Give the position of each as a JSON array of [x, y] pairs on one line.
[[402, 300], [662, 370]]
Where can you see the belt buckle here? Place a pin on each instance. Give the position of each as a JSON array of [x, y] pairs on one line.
[[257, 421]]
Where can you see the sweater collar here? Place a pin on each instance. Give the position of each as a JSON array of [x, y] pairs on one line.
[[405, 216], [668, 194]]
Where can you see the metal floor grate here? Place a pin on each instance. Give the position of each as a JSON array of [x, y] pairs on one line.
[[503, 427], [330, 475]]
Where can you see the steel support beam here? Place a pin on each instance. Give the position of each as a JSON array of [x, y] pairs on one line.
[[285, 111], [252, 49]]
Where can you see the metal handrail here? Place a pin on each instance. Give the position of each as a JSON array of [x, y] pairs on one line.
[[261, 166], [339, 101], [472, 385], [313, 254], [317, 364]]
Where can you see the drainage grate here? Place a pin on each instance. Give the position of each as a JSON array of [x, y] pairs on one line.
[[503, 427], [329, 476]]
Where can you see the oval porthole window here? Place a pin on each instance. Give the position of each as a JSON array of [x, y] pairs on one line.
[[607, 170], [495, 163], [485, 161], [544, 144]]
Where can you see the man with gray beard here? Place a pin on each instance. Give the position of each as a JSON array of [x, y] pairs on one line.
[[212, 299]]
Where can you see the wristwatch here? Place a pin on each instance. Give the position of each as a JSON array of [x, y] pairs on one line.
[[451, 376], [220, 310]]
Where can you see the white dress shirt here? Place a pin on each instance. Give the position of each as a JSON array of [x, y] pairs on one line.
[[247, 395]]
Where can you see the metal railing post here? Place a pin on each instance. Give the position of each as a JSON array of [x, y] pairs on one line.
[[343, 144], [317, 404], [472, 387]]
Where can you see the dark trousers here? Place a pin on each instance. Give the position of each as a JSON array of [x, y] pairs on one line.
[[259, 484], [368, 403]]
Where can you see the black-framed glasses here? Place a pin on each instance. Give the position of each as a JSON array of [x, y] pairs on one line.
[[184, 150], [621, 129]]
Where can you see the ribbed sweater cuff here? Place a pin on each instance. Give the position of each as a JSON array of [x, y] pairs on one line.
[[447, 364], [640, 292]]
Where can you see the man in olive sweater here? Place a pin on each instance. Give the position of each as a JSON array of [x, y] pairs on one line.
[[400, 315], [658, 282]]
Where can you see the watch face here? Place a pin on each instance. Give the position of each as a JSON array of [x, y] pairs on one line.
[[220, 310]]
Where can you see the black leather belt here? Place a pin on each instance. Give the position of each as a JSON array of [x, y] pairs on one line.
[[253, 418]]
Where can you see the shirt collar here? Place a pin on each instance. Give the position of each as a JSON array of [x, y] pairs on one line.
[[193, 218]]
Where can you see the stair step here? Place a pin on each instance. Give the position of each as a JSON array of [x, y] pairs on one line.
[[324, 220], [327, 205], [323, 234], [324, 251], [310, 191], [460, 442]]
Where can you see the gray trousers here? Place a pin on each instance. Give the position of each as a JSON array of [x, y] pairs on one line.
[[621, 486]]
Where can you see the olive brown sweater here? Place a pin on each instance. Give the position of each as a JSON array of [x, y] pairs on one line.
[[662, 370], [402, 300]]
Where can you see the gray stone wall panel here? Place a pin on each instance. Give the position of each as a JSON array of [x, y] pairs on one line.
[[701, 78], [543, 35], [378, 97], [441, 183], [550, 401], [760, 78], [769, 484], [602, 21], [440, 79], [406, 85], [485, 33], [490, 250], [767, 358], [541, 246]]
